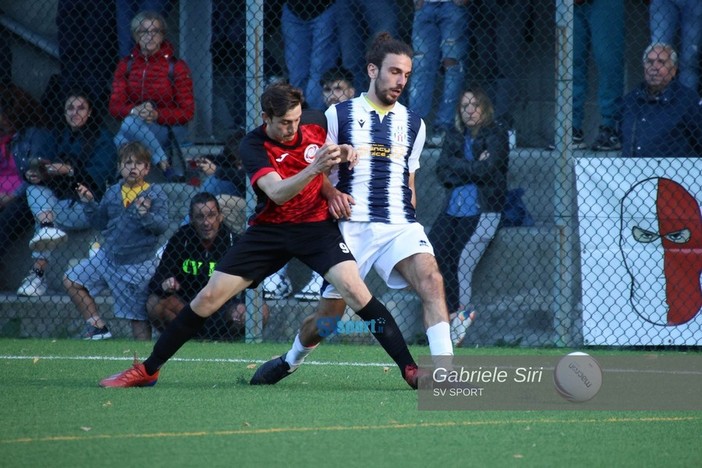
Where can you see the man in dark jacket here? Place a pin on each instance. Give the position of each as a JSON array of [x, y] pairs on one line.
[[662, 118], [186, 265]]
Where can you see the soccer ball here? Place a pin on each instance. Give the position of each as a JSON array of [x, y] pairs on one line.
[[577, 377]]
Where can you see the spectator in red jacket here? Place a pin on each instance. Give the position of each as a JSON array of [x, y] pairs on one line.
[[152, 90]]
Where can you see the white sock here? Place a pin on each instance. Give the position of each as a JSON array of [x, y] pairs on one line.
[[439, 336], [298, 353]]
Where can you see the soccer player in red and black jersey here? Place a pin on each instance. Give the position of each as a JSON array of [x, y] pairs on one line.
[[286, 159]]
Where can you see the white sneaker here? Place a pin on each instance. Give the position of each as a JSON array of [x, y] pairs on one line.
[[33, 285], [276, 287], [47, 238], [311, 290], [460, 324]]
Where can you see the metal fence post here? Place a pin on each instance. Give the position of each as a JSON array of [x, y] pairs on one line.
[[563, 297]]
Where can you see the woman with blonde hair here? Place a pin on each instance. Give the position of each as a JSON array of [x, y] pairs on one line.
[[473, 165]]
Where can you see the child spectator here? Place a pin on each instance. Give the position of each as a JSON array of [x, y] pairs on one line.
[[337, 86], [132, 215]]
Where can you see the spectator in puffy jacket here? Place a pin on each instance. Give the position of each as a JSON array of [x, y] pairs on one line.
[[152, 90]]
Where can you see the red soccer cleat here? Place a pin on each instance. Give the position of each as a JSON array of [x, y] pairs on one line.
[[135, 376], [411, 375]]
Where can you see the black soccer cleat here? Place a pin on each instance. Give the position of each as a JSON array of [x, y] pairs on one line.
[[272, 372]]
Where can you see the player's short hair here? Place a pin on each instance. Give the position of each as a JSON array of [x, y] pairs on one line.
[[203, 198], [384, 44], [278, 98], [136, 150]]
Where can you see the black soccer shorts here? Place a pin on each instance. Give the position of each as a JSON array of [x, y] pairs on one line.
[[264, 249]]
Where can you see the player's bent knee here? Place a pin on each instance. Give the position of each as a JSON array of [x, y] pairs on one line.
[[207, 302], [431, 285]]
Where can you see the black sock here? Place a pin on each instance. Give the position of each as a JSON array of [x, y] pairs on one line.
[[177, 333], [386, 331]]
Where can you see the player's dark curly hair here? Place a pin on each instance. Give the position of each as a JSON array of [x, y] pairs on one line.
[[278, 98], [384, 44]]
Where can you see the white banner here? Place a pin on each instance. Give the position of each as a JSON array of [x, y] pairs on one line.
[[640, 228]]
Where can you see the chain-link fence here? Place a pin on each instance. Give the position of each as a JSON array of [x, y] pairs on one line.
[[588, 232]]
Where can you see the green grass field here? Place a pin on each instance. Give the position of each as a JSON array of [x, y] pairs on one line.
[[361, 413]]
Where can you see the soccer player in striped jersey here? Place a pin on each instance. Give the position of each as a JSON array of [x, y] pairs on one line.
[[375, 200]]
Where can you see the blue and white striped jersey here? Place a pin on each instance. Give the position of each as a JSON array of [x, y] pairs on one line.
[[388, 147]]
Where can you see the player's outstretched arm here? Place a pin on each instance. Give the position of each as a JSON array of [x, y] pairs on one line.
[[281, 190]]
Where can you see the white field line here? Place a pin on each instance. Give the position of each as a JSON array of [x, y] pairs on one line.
[[312, 363], [178, 359]]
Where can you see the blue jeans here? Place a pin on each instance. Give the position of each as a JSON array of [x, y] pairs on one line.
[[68, 214], [310, 50], [669, 15], [358, 21], [217, 186], [599, 24], [153, 135], [438, 33], [498, 28]]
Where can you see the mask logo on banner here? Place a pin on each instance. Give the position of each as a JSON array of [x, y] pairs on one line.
[[661, 242]]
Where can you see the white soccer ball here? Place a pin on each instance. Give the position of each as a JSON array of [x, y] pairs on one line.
[[577, 377]]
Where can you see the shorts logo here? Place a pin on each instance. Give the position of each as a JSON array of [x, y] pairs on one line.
[[344, 248], [310, 153], [423, 243]]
